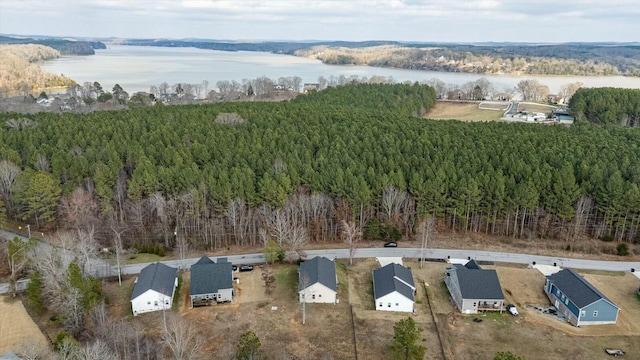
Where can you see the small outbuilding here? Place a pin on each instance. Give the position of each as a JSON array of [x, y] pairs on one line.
[[393, 288], [154, 289], [317, 281], [211, 282], [474, 289], [579, 301]]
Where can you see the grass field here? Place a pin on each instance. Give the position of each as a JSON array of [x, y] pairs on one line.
[[462, 111], [17, 329]]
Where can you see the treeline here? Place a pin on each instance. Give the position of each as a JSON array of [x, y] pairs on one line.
[[65, 47], [20, 73], [607, 106], [294, 171], [486, 61]]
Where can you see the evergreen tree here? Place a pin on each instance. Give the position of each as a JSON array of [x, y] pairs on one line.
[[404, 345]]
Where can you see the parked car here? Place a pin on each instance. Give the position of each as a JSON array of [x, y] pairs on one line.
[[246, 267], [391, 244], [512, 309]]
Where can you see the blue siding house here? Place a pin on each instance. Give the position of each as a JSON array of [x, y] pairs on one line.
[[578, 301]]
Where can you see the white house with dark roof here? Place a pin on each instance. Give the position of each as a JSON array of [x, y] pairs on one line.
[[317, 281], [393, 288], [154, 289], [578, 301], [474, 289], [211, 282]]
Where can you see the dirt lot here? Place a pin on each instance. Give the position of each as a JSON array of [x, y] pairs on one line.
[[462, 111], [17, 330]]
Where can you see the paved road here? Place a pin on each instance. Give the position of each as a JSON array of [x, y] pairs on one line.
[[101, 268], [429, 253]]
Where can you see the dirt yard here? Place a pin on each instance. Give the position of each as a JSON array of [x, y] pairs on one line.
[[17, 330], [444, 110], [330, 330], [532, 332]]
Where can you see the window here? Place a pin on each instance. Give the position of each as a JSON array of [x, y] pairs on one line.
[[397, 304], [313, 296], [566, 301], [319, 295], [562, 298], [155, 303], [148, 302], [389, 305], [166, 302], [595, 313], [583, 313], [380, 304]]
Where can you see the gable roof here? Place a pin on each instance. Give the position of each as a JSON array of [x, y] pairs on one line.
[[205, 260], [477, 283], [472, 264], [208, 277], [318, 270], [579, 290], [156, 276], [393, 277]]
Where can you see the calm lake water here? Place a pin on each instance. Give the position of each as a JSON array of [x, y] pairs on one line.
[[136, 68]]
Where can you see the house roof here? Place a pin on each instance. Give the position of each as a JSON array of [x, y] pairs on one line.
[[208, 277], [393, 277], [9, 355], [477, 283], [156, 276], [318, 270], [579, 290], [205, 260]]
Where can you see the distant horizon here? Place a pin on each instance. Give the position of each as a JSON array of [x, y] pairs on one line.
[[302, 41], [416, 21]]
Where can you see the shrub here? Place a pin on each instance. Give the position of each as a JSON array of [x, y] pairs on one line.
[[623, 249]]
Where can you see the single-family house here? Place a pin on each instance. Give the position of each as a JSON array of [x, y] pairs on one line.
[[317, 281], [474, 289], [211, 282], [393, 288], [154, 290], [310, 87], [457, 94], [578, 301]]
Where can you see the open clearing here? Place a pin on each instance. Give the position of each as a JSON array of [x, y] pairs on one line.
[[444, 110], [17, 329], [330, 329]]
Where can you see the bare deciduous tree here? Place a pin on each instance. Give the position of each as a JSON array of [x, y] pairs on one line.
[[8, 173], [351, 234], [426, 229], [182, 338]]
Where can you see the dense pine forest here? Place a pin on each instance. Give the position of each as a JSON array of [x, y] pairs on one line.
[[209, 176], [607, 106]]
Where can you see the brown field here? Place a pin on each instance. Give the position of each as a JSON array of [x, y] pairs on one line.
[[462, 111], [329, 333], [17, 329]]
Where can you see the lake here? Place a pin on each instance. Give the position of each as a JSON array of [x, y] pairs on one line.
[[136, 68]]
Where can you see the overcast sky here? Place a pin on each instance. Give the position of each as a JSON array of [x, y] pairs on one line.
[[402, 20]]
